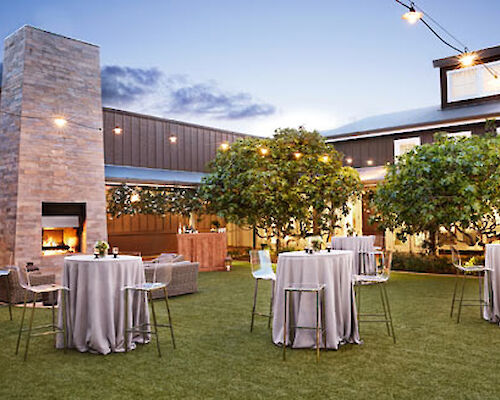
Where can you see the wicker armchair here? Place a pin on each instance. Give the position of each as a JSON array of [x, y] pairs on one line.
[[17, 292], [184, 277]]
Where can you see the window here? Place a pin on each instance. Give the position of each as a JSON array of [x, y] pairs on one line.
[[401, 146], [460, 134], [473, 82]]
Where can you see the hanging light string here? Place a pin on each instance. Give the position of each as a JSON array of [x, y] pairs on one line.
[[56, 120], [412, 9]]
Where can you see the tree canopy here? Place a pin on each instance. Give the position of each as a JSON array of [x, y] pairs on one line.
[[293, 183], [453, 183]]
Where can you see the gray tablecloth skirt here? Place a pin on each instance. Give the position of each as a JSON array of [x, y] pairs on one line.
[[95, 310], [360, 245], [335, 271], [492, 283]]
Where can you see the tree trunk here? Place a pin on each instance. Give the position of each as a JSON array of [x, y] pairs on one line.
[[433, 242]]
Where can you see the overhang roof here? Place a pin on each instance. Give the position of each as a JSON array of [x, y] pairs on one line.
[[154, 176], [417, 118]]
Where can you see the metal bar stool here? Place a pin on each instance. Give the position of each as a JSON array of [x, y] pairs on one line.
[[319, 291], [147, 288], [4, 273], [53, 289], [262, 269], [380, 279], [474, 269]]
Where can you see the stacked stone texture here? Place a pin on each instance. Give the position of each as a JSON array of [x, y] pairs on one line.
[[47, 75]]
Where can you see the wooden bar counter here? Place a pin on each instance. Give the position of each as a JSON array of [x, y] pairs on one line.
[[208, 249]]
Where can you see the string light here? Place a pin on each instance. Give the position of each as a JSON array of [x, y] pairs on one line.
[[297, 155], [467, 59], [264, 151], [324, 158], [369, 162], [412, 16], [117, 130], [173, 139], [135, 198], [224, 146], [348, 160]]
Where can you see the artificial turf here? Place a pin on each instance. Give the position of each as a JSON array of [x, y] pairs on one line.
[[218, 358]]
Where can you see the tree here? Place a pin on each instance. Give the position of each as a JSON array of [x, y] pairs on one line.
[[451, 184], [291, 184]]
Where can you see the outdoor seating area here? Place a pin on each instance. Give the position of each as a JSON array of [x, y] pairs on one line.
[[207, 207], [214, 344]]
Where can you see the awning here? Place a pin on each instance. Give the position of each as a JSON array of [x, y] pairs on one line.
[[154, 176]]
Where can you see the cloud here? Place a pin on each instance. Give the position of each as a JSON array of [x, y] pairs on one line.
[[123, 86], [175, 94]]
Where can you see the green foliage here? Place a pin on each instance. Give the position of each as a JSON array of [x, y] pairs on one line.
[[451, 183], [128, 200], [291, 183], [420, 263]]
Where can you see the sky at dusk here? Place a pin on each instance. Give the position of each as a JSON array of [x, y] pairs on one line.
[[253, 66]]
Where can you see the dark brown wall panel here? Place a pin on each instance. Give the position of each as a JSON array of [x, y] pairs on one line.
[[145, 142]]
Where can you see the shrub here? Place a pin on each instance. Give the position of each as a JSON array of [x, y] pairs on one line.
[[422, 263]]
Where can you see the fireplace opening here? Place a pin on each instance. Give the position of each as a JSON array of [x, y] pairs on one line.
[[62, 227]]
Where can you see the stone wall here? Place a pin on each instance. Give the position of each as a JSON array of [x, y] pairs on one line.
[[47, 76]]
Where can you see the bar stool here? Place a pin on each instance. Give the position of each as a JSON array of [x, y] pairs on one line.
[[4, 273], [479, 269], [24, 281], [319, 291], [380, 279], [262, 269], [147, 288]]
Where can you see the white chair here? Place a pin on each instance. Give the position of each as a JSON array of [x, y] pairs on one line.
[[380, 278], [262, 269], [474, 269], [147, 288], [54, 289]]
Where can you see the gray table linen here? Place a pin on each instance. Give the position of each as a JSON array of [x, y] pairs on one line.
[[364, 264], [335, 271], [492, 283], [95, 309]]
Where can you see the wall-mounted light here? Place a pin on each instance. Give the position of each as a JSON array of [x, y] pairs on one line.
[[369, 162], [173, 139], [348, 160], [117, 130], [60, 122], [224, 146]]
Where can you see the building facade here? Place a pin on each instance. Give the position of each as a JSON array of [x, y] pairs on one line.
[[469, 97]]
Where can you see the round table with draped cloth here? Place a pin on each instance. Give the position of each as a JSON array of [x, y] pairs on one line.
[[95, 307], [364, 264], [334, 270], [492, 283]]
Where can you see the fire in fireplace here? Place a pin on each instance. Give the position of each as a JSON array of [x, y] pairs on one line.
[[62, 227]]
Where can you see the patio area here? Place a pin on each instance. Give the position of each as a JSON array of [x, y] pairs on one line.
[[217, 356]]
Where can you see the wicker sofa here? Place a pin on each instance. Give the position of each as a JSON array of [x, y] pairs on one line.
[[182, 276], [17, 292]]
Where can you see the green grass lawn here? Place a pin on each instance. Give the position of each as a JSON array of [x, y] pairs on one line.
[[217, 357]]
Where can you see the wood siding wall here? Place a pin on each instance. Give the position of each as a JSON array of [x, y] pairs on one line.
[[145, 142], [381, 149]]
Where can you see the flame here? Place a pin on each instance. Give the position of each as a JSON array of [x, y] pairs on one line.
[[52, 238]]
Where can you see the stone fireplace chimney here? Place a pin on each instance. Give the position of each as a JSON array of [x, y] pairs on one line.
[[47, 76]]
